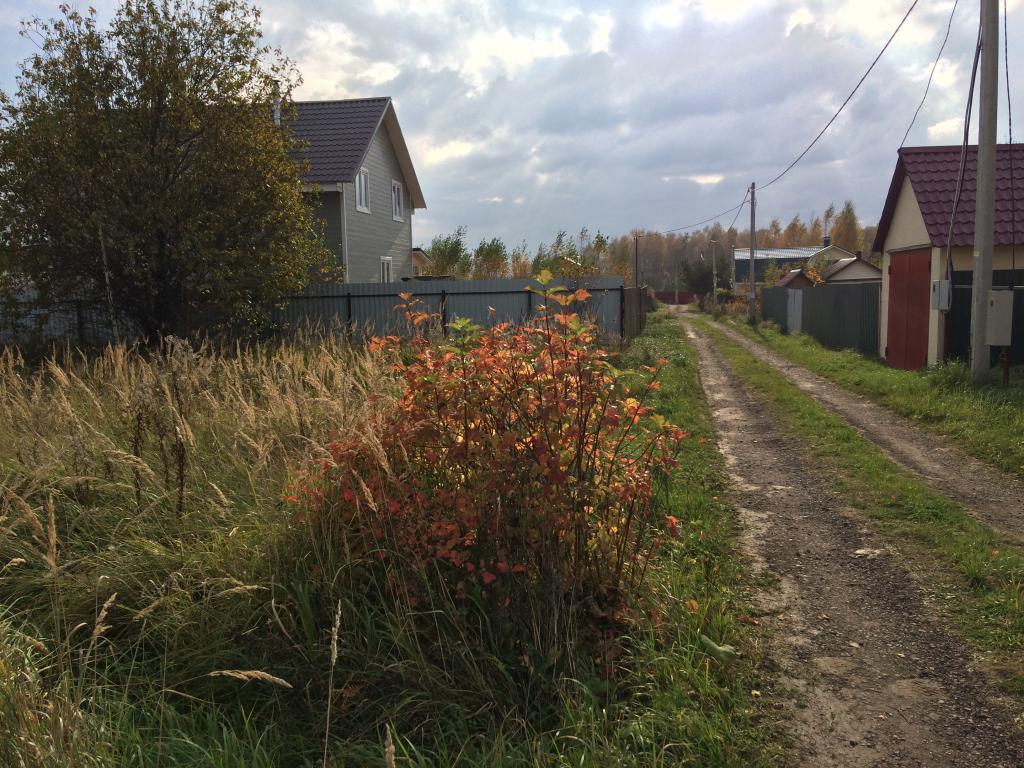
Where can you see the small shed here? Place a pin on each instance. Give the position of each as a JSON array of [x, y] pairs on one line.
[[795, 278], [852, 271], [913, 233]]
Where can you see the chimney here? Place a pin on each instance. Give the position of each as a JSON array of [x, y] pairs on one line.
[[826, 242], [277, 103]]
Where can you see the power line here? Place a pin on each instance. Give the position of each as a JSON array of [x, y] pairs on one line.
[[708, 220], [931, 74], [737, 209], [963, 159], [848, 98], [740, 209]]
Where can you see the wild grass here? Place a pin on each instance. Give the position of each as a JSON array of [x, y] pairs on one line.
[[164, 607], [987, 421]]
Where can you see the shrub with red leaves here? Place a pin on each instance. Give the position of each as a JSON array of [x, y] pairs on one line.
[[520, 468]]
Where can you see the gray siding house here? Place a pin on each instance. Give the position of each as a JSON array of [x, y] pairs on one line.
[[366, 186]]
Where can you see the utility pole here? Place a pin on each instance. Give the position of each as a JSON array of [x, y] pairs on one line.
[[984, 212], [636, 260], [714, 273], [751, 294]]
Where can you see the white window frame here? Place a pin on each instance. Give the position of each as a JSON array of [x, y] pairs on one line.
[[397, 201], [385, 269], [363, 191]]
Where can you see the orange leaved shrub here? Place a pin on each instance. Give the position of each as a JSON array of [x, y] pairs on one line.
[[520, 470]]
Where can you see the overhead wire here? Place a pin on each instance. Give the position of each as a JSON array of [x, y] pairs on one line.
[[737, 209], [842, 106], [963, 159], [931, 74]]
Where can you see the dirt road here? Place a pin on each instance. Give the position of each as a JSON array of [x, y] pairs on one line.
[[993, 497], [877, 680]]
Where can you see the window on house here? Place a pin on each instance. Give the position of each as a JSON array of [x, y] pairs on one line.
[[363, 191], [397, 201], [385, 269]]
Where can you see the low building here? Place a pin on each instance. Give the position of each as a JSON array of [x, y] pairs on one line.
[[795, 278], [781, 258], [852, 270], [913, 233]]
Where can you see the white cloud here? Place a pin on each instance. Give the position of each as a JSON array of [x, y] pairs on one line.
[[502, 52], [798, 18], [601, 38], [707, 180], [497, 199], [946, 129], [435, 154]]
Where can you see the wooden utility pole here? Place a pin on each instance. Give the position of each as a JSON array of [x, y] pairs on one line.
[[714, 273], [751, 294], [984, 212]]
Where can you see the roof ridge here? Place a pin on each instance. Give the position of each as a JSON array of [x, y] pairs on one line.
[[342, 101]]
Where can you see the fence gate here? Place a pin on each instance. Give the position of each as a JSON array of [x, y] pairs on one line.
[[794, 310]]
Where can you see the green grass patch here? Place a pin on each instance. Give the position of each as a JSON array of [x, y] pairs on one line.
[[981, 572], [988, 421]]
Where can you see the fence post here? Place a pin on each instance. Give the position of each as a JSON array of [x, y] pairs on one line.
[[622, 310], [80, 322], [444, 313]]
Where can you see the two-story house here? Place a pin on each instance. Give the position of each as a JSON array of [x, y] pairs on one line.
[[366, 186]]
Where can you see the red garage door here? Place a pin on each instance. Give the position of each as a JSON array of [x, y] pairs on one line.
[[910, 274]]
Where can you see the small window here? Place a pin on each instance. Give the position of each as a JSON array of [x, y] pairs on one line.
[[385, 269], [363, 191], [397, 201]]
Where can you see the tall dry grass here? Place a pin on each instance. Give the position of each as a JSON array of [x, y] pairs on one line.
[[144, 547]]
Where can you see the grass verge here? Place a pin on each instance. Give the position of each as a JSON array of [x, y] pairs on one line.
[[981, 572], [162, 606], [987, 421]]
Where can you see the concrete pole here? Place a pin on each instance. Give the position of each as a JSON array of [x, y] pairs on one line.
[[751, 294], [984, 214]]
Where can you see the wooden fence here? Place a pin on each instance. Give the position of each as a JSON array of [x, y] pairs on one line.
[[839, 316]]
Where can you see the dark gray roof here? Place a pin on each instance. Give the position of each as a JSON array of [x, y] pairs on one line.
[[337, 135]]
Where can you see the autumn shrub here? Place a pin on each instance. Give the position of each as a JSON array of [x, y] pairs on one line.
[[519, 473]]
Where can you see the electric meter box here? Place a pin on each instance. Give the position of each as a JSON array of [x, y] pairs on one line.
[[941, 295], [998, 329]]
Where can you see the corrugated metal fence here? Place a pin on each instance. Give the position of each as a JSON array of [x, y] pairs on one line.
[[839, 316], [371, 307]]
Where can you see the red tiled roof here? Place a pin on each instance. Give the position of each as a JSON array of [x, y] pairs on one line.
[[933, 173]]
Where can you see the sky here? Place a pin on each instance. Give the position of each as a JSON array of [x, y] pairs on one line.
[[528, 117]]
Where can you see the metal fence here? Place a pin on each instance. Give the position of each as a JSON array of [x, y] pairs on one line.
[[958, 334], [839, 316], [373, 307], [370, 308], [78, 321]]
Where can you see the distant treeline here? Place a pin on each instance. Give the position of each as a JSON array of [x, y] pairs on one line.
[[667, 261]]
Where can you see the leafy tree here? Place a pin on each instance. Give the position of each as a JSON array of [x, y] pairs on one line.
[[816, 232], [795, 234], [449, 256], [520, 261], [490, 259], [141, 167], [846, 232], [773, 272]]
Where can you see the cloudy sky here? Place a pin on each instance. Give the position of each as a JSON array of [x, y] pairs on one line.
[[525, 117]]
